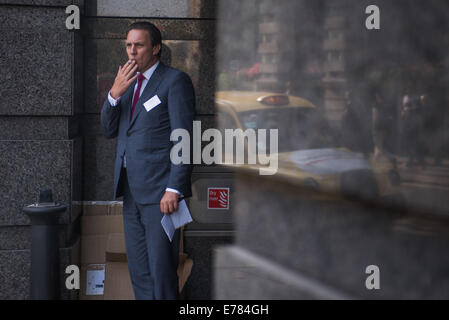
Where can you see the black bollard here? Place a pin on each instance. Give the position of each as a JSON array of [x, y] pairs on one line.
[[44, 217]]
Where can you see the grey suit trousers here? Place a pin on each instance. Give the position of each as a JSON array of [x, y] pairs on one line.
[[152, 258]]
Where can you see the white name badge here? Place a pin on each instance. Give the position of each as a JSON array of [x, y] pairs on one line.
[[151, 103]]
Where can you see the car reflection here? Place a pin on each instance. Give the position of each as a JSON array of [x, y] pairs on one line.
[[309, 150]]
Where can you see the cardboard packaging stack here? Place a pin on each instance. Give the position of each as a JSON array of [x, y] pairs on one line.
[[104, 267]]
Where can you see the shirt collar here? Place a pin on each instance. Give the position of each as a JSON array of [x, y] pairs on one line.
[[147, 74]]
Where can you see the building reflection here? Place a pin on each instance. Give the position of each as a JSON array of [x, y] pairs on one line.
[[362, 118], [381, 92]]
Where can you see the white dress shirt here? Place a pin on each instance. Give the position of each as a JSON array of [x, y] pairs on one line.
[[113, 102]]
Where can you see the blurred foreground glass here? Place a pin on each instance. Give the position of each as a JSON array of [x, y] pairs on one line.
[[367, 112]]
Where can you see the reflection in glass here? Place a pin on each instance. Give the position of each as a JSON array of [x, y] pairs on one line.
[[381, 94]]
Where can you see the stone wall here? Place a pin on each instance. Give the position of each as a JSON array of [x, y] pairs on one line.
[[40, 143]]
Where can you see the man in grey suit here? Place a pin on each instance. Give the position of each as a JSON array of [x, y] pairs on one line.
[[141, 110]]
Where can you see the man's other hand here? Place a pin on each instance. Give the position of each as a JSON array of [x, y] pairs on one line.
[[169, 202], [124, 79]]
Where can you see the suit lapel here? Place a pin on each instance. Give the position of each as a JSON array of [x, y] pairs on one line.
[[149, 91]]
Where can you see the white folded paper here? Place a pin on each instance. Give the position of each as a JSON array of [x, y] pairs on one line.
[[176, 220]]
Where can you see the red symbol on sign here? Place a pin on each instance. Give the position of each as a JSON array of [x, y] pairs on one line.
[[218, 198]]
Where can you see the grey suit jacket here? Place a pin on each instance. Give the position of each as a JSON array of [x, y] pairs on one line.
[[146, 137]]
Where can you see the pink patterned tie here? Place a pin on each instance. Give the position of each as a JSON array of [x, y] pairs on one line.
[[140, 79]]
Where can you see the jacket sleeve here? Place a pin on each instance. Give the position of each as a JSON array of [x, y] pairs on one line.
[[110, 119], [181, 108]]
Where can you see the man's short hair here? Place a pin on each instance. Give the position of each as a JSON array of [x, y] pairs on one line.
[[153, 31]]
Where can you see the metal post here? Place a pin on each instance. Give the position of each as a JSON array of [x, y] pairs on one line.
[[44, 217]]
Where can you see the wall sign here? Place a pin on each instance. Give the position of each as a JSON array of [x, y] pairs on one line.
[[218, 198]]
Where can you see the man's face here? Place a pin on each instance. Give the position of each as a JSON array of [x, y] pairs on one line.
[[140, 49]]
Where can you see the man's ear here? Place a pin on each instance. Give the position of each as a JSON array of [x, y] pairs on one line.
[[156, 49]]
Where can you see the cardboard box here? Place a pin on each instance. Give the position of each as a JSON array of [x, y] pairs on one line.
[[95, 225], [93, 249], [115, 248], [116, 252], [118, 286], [118, 282], [94, 237], [100, 218], [116, 208], [184, 269], [102, 208], [96, 208], [115, 224], [103, 254]]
